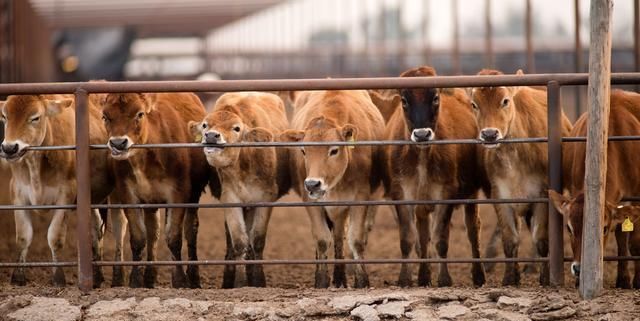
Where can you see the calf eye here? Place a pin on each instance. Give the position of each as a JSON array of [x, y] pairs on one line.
[[405, 103], [436, 99], [140, 115], [505, 102], [333, 151], [474, 105], [204, 125], [303, 153], [35, 119], [105, 118], [236, 129]]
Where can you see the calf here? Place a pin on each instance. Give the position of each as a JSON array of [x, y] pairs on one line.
[[247, 174], [623, 180], [335, 173], [516, 170], [433, 172], [48, 177], [157, 176]]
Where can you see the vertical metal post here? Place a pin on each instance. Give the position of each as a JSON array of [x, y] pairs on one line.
[[636, 34], [488, 36], [455, 55], [591, 265], [83, 202], [556, 242], [531, 68], [577, 56]]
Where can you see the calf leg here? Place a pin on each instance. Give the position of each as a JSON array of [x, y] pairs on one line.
[[137, 241], [357, 241], [540, 235], [473, 224], [173, 236], [24, 236], [119, 229], [322, 236], [622, 239], [491, 251], [407, 230], [191, 224], [234, 219], [57, 235], [634, 242], [509, 226], [339, 270], [424, 237], [258, 239], [152, 227], [97, 242], [229, 274], [441, 228], [530, 267]]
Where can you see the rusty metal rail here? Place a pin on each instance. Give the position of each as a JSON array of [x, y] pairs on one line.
[[553, 83]]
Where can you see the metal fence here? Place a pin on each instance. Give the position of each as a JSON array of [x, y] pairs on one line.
[[81, 90]]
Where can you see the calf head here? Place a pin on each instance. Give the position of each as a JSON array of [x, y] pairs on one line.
[[421, 106], [223, 127], [494, 110], [325, 165], [573, 210], [125, 118], [25, 124]]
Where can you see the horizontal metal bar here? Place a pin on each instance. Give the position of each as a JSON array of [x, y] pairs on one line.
[[304, 262], [358, 143], [309, 84]]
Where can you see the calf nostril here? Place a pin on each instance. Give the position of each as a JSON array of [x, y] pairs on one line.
[[312, 184], [119, 143], [9, 148]]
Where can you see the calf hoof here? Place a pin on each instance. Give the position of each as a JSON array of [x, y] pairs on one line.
[[193, 274], [362, 281], [444, 280], [424, 275], [477, 275], [178, 279], [545, 279], [228, 277], [58, 278], [322, 280], [98, 277], [511, 278], [150, 277], [339, 276], [18, 278], [255, 276], [135, 278], [624, 282], [530, 268], [404, 279], [118, 277]]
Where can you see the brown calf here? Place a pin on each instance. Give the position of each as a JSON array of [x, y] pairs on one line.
[[516, 170], [623, 180], [433, 172], [158, 176], [247, 174], [48, 177], [336, 172]]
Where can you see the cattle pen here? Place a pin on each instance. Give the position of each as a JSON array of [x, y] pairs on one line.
[[553, 82]]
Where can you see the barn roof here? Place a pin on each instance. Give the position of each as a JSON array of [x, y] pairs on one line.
[[150, 17]]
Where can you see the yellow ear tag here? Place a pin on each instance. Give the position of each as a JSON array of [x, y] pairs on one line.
[[627, 225], [198, 138], [351, 140]]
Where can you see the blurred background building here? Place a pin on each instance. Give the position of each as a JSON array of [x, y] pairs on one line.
[[77, 40]]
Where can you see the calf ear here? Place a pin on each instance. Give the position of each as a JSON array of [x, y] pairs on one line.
[[56, 106], [291, 135], [560, 202], [2, 102], [349, 132], [515, 89], [258, 135], [194, 128], [620, 213]]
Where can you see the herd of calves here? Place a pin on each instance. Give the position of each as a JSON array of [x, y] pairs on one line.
[[125, 174]]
